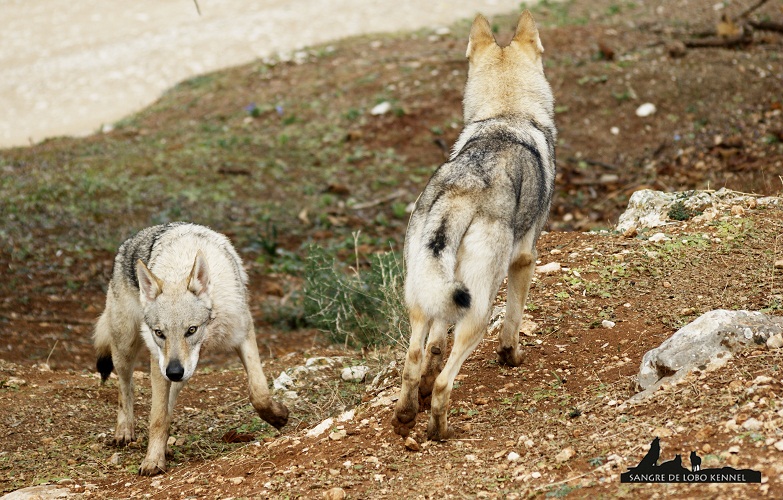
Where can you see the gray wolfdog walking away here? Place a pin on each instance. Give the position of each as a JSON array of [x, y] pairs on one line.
[[478, 220], [176, 287]]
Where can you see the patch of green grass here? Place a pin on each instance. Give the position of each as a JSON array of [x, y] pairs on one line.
[[359, 307], [561, 491], [680, 212]]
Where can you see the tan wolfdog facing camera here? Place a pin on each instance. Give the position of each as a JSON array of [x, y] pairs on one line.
[[478, 220], [177, 288]]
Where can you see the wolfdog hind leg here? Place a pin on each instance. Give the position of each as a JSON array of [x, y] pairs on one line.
[[520, 273], [467, 335], [433, 362], [408, 405]]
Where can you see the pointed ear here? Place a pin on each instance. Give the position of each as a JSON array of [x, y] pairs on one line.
[[527, 32], [480, 35], [198, 282], [150, 286]]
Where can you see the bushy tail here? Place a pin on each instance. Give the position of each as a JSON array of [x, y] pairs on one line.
[[431, 262], [102, 340]]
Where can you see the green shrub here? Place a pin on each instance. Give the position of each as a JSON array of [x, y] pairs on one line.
[[356, 308], [679, 211]]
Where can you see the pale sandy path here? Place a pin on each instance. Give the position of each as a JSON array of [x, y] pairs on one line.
[[69, 66]]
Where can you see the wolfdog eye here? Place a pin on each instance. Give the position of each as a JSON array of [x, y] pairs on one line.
[[159, 333], [191, 331]]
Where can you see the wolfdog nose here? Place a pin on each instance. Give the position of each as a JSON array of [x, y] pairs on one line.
[[175, 371]]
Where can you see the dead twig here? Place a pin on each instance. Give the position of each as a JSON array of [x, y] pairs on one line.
[[766, 26], [36, 319], [50, 352], [728, 42], [750, 9], [380, 201]]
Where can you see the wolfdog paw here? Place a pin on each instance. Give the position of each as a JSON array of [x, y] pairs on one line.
[[510, 356], [401, 426], [276, 414], [124, 438], [152, 467], [439, 432]]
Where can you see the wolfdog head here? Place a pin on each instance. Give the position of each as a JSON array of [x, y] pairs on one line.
[[176, 316], [506, 81]]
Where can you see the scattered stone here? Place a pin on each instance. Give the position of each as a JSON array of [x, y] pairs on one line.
[[411, 444], [236, 480], [775, 341], [535, 475], [347, 416], [736, 386], [762, 379], [608, 324], [481, 401], [676, 49], [320, 428], [779, 445], [752, 424], [779, 264], [648, 208], [115, 459], [709, 341], [657, 237], [705, 433], [550, 268], [355, 373], [14, 382], [381, 109], [737, 210], [44, 492], [283, 382], [337, 435], [512, 456], [646, 109], [565, 455], [631, 232], [334, 494]]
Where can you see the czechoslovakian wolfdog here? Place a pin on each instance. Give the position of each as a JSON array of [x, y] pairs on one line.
[[478, 220], [176, 287]]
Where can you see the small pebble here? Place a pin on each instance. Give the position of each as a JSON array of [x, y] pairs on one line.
[[552, 267], [411, 444], [775, 341], [565, 455], [646, 109], [334, 494]]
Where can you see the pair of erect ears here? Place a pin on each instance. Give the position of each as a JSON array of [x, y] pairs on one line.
[[151, 286], [526, 34]]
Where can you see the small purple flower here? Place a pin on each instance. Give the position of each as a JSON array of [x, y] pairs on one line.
[[279, 109]]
